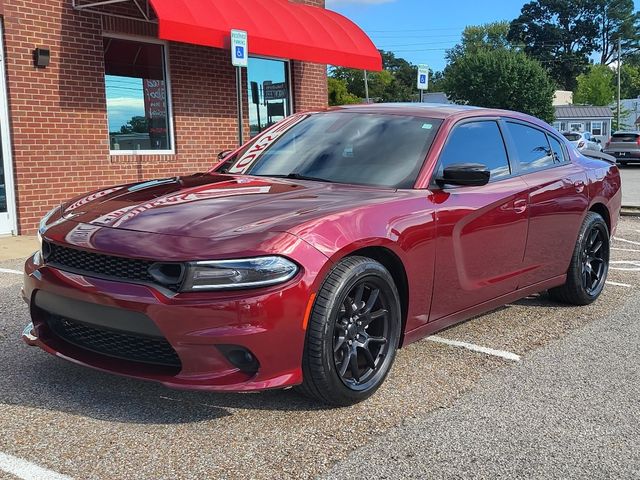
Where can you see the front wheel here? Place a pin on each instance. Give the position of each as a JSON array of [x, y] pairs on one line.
[[589, 266], [353, 333]]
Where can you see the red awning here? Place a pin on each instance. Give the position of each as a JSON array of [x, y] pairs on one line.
[[276, 28]]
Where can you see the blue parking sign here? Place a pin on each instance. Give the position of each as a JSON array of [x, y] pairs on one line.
[[423, 79], [239, 52], [239, 48]]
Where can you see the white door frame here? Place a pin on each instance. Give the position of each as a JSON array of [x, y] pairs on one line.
[[8, 220]]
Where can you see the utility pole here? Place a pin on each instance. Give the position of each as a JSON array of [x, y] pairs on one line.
[[619, 69], [366, 86]]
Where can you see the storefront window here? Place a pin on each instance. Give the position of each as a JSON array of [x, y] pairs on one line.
[[138, 106], [268, 93]]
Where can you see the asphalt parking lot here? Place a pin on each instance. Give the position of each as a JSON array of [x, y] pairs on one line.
[[553, 395], [631, 185]]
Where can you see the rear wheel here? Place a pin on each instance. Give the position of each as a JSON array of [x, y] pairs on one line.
[[589, 266], [353, 333]]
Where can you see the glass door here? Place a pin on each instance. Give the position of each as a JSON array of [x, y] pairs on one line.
[[269, 93], [7, 202]]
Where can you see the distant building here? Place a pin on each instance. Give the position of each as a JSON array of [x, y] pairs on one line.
[[562, 97], [584, 118]]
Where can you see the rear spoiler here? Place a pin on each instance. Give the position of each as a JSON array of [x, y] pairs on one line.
[[599, 156]]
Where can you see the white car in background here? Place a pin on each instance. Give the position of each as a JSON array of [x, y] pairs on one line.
[[583, 141]]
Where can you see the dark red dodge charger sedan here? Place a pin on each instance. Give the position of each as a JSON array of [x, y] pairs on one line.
[[308, 256]]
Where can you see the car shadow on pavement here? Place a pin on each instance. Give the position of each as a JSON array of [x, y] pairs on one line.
[[541, 300]]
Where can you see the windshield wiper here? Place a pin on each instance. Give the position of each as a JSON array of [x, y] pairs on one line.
[[299, 176]]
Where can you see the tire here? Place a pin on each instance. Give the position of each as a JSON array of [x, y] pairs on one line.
[[589, 266], [347, 322]]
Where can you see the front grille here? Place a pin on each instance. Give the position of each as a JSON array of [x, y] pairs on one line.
[[119, 268], [122, 345]]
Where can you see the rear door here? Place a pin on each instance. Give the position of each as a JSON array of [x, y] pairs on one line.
[[481, 231], [557, 197]]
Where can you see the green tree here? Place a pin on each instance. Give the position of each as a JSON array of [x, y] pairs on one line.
[[395, 83], [561, 34], [501, 79], [630, 81], [617, 19], [489, 36], [338, 94], [136, 125], [595, 87]]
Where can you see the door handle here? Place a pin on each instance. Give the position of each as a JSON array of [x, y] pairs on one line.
[[520, 206], [579, 186]]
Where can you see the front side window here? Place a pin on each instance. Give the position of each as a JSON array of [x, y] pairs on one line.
[[477, 142], [341, 147], [532, 146], [138, 107]]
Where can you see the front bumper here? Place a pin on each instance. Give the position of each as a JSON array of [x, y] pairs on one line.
[[200, 327]]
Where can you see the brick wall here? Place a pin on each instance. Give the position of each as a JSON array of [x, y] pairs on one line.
[[58, 114]]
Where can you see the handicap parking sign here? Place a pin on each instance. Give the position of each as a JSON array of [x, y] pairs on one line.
[[239, 48], [423, 77]]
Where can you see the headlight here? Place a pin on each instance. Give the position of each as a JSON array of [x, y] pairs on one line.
[[242, 273]]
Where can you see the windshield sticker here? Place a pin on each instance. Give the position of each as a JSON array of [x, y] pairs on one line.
[[427, 126], [263, 143]]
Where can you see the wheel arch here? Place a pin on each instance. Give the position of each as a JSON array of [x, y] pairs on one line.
[[390, 260], [602, 210]]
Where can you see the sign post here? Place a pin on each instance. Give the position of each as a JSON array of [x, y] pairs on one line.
[[423, 79], [240, 60]]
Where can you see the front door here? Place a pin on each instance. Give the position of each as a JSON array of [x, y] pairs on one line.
[[7, 202], [482, 231]]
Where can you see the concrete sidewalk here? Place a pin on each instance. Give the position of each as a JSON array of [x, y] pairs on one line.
[[14, 248]]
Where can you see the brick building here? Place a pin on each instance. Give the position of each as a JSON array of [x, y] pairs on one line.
[[115, 103]]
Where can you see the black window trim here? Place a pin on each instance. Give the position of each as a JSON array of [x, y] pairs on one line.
[[513, 151], [498, 120]]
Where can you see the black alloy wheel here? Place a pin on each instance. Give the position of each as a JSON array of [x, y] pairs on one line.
[[361, 333], [587, 273], [594, 261], [353, 333]]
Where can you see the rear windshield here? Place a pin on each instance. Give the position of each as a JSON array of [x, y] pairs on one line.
[[625, 137], [572, 137], [341, 147]]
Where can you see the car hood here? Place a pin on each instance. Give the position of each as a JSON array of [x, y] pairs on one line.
[[213, 205]]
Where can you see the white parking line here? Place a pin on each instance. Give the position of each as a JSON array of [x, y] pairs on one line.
[[27, 470], [625, 249], [626, 241], [616, 284], [625, 265], [8, 270], [475, 348]]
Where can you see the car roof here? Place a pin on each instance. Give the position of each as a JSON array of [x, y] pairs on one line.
[[435, 110]]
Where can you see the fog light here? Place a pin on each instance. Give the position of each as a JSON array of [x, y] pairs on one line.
[[240, 358]]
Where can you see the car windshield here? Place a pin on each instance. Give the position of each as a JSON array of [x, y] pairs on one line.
[[340, 147], [572, 137]]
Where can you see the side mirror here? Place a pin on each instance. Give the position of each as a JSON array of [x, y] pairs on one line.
[[465, 174], [223, 154]]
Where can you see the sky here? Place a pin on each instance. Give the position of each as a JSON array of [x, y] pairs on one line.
[[422, 30]]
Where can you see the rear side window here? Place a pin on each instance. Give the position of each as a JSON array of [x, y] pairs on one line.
[[558, 151], [477, 142], [532, 146], [625, 137]]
